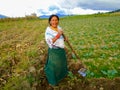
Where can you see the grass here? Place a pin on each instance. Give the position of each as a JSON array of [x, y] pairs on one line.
[[96, 39]]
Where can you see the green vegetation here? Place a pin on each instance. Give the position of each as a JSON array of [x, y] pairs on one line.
[[96, 39]]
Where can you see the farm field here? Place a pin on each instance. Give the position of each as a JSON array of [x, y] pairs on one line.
[[96, 39]]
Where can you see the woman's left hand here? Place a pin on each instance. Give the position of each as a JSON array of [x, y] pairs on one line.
[[66, 39]]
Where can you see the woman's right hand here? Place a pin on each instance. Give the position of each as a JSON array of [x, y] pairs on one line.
[[60, 31]]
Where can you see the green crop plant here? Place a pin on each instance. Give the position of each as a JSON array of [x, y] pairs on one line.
[[96, 39]]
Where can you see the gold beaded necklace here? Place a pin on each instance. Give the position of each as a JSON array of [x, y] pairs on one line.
[[55, 29]]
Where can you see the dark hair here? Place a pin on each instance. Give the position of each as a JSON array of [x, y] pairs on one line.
[[53, 15]]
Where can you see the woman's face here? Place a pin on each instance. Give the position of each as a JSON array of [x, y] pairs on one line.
[[54, 22]]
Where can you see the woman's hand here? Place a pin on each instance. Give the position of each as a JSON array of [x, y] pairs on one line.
[[66, 39], [60, 31]]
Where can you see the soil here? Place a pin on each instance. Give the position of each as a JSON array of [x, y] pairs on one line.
[[83, 84]]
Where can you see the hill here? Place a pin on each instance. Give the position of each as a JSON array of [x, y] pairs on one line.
[[115, 11], [118, 10], [3, 16]]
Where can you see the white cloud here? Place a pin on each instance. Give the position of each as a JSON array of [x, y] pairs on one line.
[[81, 11], [20, 8]]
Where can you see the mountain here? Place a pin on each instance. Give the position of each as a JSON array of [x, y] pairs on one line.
[[3, 16], [47, 16], [44, 16], [115, 11]]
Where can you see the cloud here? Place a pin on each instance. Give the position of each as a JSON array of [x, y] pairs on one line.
[[101, 5], [57, 10], [88, 4], [20, 8], [77, 11], [53, 9]]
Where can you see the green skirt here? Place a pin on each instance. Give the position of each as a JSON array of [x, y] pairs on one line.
[[56, 65]]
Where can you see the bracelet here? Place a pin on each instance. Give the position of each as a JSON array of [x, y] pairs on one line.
[[57, 36]]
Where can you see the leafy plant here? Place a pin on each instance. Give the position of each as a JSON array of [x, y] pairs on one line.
[[109, 73]]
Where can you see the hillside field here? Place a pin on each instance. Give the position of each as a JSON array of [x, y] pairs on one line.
[[96, 39]]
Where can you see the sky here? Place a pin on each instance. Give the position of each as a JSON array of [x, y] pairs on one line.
[[21, 8]]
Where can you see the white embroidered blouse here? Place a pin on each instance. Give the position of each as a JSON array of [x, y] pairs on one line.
[[50, 34]]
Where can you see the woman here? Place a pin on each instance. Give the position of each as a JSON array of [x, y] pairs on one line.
[[56, 64]]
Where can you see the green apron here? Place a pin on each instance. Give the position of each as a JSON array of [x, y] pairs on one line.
[[56, 65]]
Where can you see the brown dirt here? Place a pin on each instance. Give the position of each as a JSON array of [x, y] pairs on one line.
[[83, 84]]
